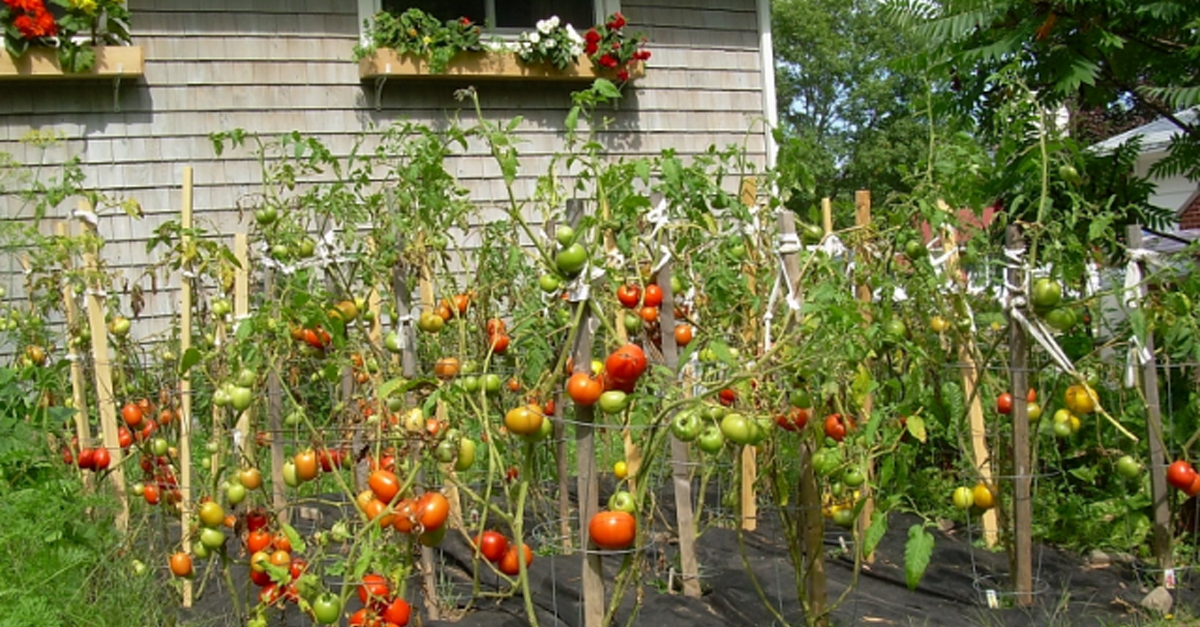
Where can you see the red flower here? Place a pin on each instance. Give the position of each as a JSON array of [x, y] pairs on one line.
[[618, 21], [464, 21], [591, 37], [608, 62], [642, 55], [590, 48], [623, 75], [46, 24]]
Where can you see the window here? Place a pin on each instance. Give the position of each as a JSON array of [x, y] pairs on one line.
[[510, 14]]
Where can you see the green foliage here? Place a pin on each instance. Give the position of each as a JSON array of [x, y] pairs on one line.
[[917, 552], [422, 35]]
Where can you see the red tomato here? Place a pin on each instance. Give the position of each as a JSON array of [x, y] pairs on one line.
[[101, 459], [258, 540], [1194, 489], [496, 326], [648, 314], [509, 565], [124, 437], [653, 297], [256, 519], [1032, 396], [836, 427], [683, 334], [151, 494], [260, 578], [499, 343], [87, 458], [612, 530], [492, 545], [397, 613], [432, 510], [625, 364], [629, 295], [374, 591], [306, 465], [1004, 403], [727, 397], [794, 420], [132, 414], [1181, 475], [405, 519]]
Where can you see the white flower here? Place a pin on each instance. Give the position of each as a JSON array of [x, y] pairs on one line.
[[576, 49], [549, 43], [544, 26], [534, 38], [573, 35], [553, 21]]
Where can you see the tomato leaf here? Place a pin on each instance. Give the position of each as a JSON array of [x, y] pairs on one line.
[[294, 538], [862, 386], [916, 428], [917, 552], [397, 385], [190, 358], [721, 350], [875, 532]]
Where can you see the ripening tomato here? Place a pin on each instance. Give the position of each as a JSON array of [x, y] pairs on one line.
[[258, 540], [584, 389], [181, 564], [727, 397], [509, 564], [499, 343], [629, 295], [446, 368], [432, 510], [132, 414], [1004, 403], [377, 510], [124, 437], [794, 420], [151, 494], [683, 334], [653, 296], [496, 326], [306, 465], [612, 530], [374, 591], [385, 484], [87, 458], [405, 520], [648, 314], [835, 427], [492, 545]]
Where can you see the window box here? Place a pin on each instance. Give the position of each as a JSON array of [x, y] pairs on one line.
[[387, 64], [112, 62]]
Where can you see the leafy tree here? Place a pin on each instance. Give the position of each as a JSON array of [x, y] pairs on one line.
[[844, 108], [1128, 54]]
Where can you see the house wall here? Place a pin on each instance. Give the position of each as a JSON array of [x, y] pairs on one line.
[[269, 67]]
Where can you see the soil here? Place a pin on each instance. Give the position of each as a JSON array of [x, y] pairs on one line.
[[953, 592]]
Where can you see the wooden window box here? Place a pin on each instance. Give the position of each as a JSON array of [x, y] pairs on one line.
[[385, 64], [112, 63]]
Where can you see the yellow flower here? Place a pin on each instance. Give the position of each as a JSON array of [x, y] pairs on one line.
[[86, 6]]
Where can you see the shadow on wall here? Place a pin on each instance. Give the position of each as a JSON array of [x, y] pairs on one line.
[[543, 105]]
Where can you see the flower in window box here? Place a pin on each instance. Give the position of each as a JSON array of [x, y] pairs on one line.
[[551, 42], [609, 47]]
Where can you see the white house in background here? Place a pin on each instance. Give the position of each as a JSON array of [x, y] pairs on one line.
[[1176, 193]]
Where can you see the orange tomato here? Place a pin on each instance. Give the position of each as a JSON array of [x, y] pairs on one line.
[[509, 565], [648, 313], [385, 484], [446, 368], [132, 414], [432, 510], [683, 334], [181, 564], [584, 389], [306, 465]]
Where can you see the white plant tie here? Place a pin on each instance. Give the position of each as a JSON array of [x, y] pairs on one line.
[[663, 258], [87, 215], [831, 245], [1134, 292], [659, 216], [1014, 300], [237, 438]]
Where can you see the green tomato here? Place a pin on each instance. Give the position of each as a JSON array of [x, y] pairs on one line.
[[895, 329], [470, 384], [549, 283], [613, 401], [159, 447], [633, 324], [391, 342], [1128, 467], [571, 260], [963, 498], [914, 249], [622, 501], [686, 425], [235, 493], [1047, 293], [844, 517], [327, 608], [289, 474], [711, 440], [564, 235], [445, 451], [738, 429], [240, 397], [212, 539], [491, 383], [853, 477], [466, 454], [1061, 318]]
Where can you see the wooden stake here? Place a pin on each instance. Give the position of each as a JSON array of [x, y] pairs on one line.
[[862, 220], [425, 289], [585, 447], [241, 309], [970, 380], [78, 384], [812, 520], [185, 381], [275, 423], [1158, 450], [681, 475], [1022, 467], [749, 458], [106, 401]]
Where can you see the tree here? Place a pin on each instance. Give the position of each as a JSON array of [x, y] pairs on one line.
[[845, 109], [1128, 54]]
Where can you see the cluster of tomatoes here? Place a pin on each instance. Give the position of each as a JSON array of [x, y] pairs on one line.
[[1080, 400], [622, 369], [497, 333], [381, 607], [643, 306], [424, 515], [494, 547], [1182, 476]]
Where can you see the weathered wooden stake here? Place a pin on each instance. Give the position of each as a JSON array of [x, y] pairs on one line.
[[1158, 450], [275, 423], [862, 220], [425, 290], [748, 194], [185, 381], [78, 385], [681, 475], [585, 448], [241, 308], [1018, 344], [106, 401]]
